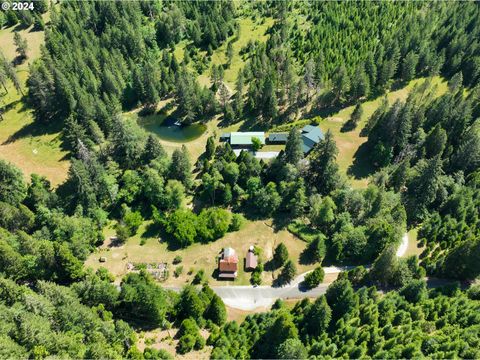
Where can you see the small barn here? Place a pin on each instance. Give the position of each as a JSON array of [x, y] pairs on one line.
[[228, 264], [277, 138], [244, 139], [251, 260]]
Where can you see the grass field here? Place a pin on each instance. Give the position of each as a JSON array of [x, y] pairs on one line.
[[349, 143], [413, 248], [165, 339], [34, 148], [351, 159], [199, 256], [249, 30]]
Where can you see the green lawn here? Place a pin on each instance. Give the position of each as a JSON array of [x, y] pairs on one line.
[[34, 148]]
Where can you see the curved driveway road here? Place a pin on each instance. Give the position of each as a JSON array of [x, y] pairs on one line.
[[249, 297]]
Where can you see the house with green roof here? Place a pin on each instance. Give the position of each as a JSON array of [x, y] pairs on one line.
[[243, 139]]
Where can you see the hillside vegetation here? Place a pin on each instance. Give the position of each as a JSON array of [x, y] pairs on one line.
[[393, 86]]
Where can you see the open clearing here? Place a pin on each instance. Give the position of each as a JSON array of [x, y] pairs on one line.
[[200, 256], [349, 143], [165, 339], [34, 148], [250, 30], [351, 158]]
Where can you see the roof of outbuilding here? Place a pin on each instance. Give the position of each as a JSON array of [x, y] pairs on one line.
[[251, 260], [278, 137], [308, 128], [245, 138], [225, 265]]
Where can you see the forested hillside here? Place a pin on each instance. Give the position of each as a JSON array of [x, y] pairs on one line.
[[410, 323], [105, 61]]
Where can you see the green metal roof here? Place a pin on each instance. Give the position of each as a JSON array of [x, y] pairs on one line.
[[245, 138]]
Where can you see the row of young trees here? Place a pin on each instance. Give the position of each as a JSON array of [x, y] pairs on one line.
[[411, 322], [427, 149]]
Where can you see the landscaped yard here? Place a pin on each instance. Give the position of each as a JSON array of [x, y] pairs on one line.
[[199, 256]]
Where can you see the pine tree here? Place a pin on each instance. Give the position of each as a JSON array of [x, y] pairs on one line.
[[280, 255], [229, 54], [181, 168], [21, 45], [269, 100], [288, 272], [356, 115], [409, 66], [293, 148], [360, 84], [216, 311], [341, 84], [435, 142], [309, 77], [210, 148], [323, 169], [153, 149]]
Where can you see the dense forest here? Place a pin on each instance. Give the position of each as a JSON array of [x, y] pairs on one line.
[[102, 59], [410, 323]]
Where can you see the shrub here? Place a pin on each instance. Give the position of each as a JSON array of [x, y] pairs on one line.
[[199, 277], [314, 278], [131, 219], [177, 260], [213, 223], [122, 232], [280, 256], [178, 271], [238, 220], [186, 344], [256, 278], [288, 273], [303, 231], [474, 292]]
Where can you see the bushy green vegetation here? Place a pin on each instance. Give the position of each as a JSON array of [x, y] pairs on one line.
[[103, 58], [410, 323]]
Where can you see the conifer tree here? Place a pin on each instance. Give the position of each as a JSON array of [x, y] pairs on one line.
[[293, 148], [323, 168]]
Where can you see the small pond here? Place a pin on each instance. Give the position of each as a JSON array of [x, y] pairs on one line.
[[167, 129]]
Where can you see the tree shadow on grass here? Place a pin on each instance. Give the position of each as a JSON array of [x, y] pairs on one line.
[[361, 167], [34, 129], [306, 257], [270, 266], [152, 230]]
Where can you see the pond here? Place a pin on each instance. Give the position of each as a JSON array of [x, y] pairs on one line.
[[167, 129]]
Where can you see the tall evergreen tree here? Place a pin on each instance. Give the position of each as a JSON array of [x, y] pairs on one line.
[[323, 169], [293, 148]]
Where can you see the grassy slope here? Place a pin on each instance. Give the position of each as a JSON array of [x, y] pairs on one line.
[[350, 159], [200, 256], [249, 30], [349, 142], [33, 148]]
